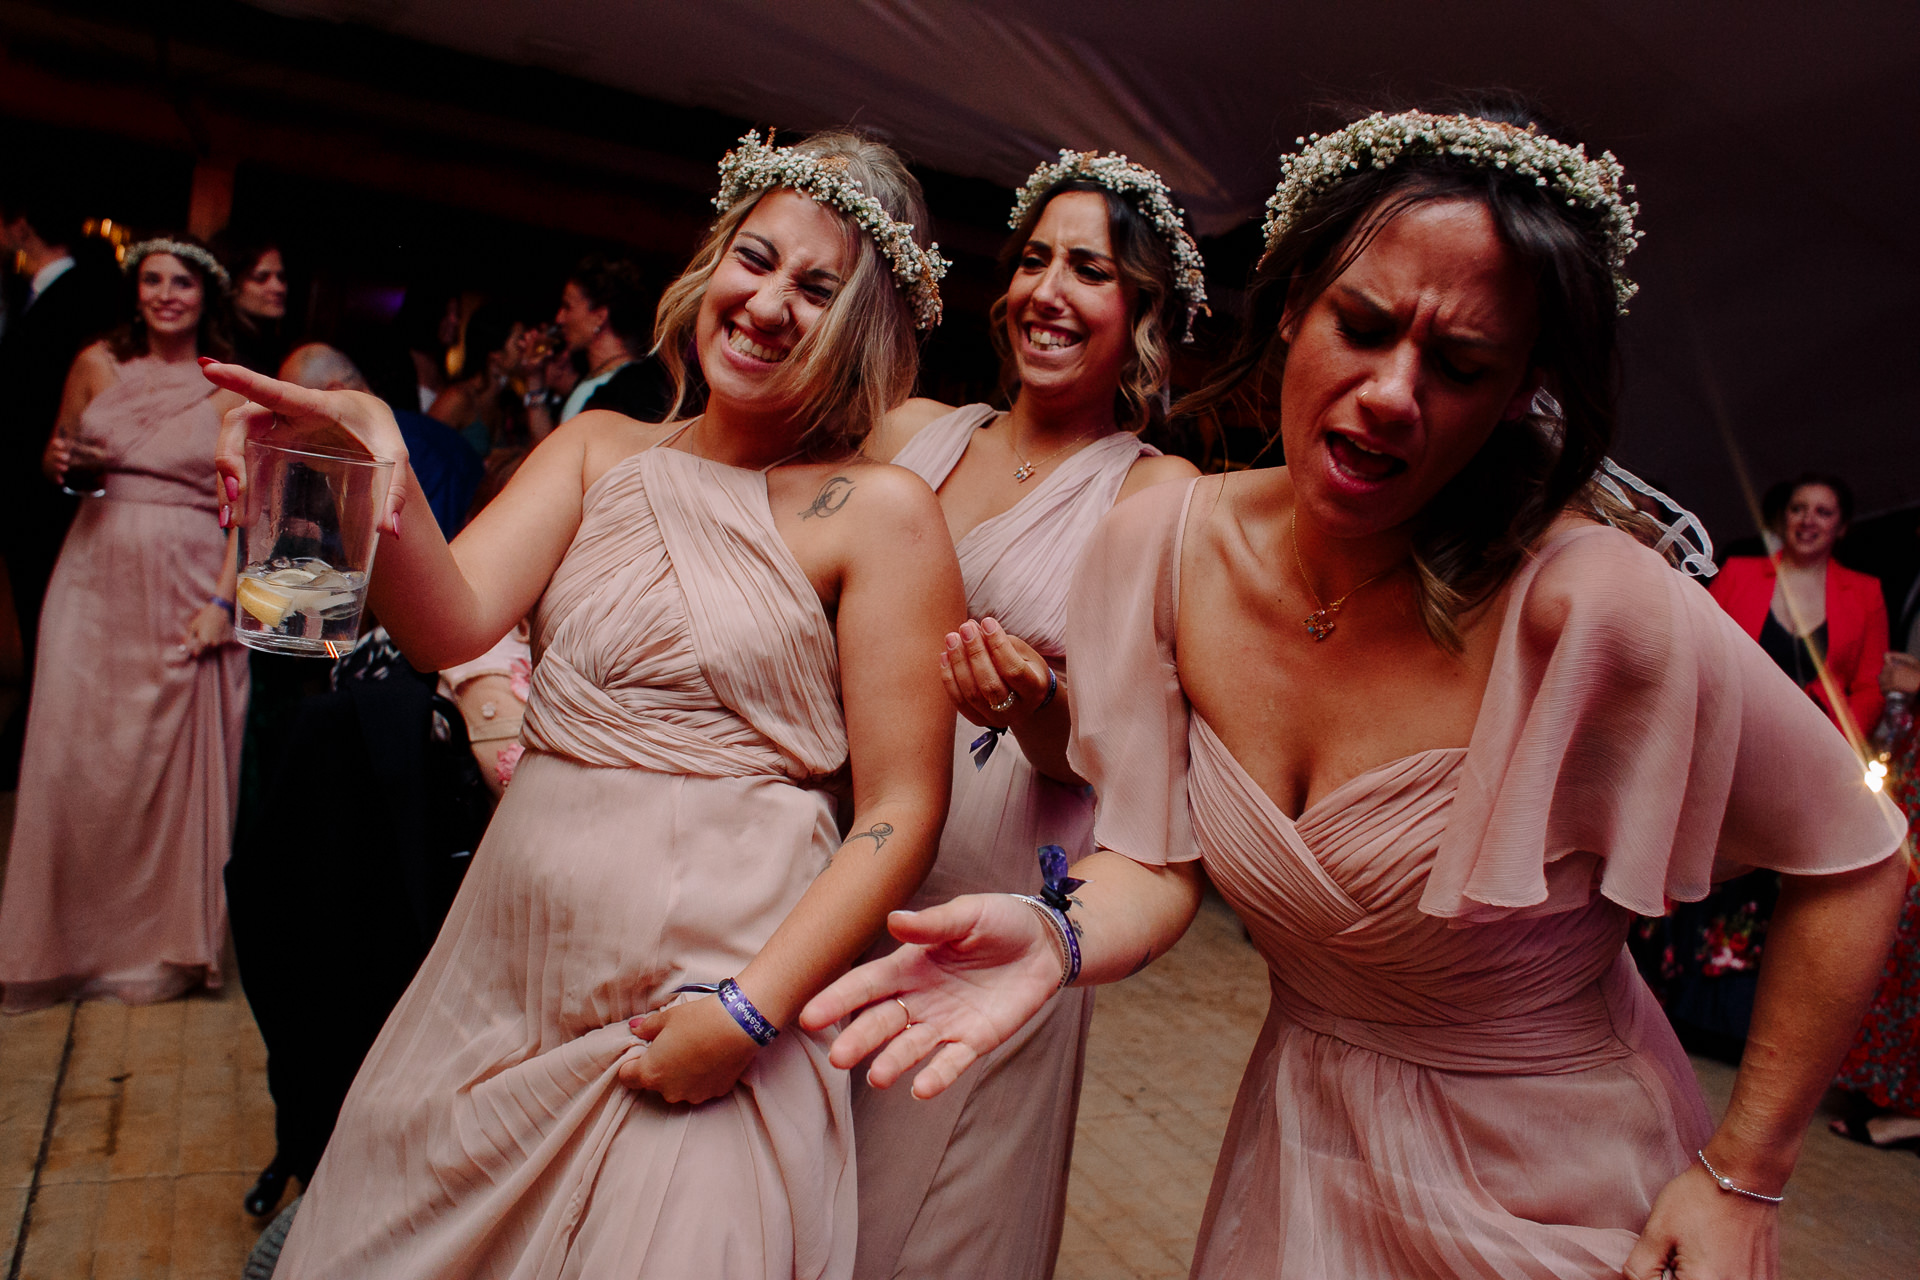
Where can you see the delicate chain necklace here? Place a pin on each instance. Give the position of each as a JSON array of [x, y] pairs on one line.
[[1319, 623], [1024, 472]]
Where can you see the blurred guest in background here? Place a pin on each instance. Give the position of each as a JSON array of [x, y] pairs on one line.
[[261, 332], [441, 460], [71, 297], [132, 753], [606, 314], [1805, 610], [479, 402], [429, 325]]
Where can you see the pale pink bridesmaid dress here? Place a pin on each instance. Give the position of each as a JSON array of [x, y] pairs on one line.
[[974, 1182], [670, 810], [1461, 1073], [130, 775]]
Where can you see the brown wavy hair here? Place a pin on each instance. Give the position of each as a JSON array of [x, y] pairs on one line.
[[213, 338], [861, 357], [1146, 263], [1476, 530]]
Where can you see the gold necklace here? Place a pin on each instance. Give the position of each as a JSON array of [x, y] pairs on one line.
[[1024, 472], [1319, 623]]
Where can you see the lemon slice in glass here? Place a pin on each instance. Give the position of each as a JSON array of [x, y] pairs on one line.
[[268, 605]]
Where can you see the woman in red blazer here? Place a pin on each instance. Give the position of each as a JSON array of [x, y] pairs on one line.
[[1801, 592], [1704, 958]]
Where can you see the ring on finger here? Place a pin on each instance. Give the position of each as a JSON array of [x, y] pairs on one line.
[[1004, 703], [903, 1008]]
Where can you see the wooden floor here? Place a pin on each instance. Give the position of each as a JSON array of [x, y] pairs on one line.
[[127, 1136]]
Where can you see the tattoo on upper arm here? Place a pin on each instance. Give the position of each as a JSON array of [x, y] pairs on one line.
[[879, 833], [833, 495]]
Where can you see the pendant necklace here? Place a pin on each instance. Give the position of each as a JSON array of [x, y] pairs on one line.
[[1319, 623], [1024, 472]]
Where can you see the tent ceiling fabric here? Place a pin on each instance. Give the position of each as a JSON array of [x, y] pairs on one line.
[[1770, 142]]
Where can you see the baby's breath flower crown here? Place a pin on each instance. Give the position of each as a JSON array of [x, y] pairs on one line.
[[1380, 139], [754, 166], [208, 264], [1123, 177]]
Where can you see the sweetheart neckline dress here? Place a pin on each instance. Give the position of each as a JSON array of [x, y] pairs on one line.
[[1461, 1073]]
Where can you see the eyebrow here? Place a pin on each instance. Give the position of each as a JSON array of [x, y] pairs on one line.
[[1452, 337], [773, 252], [1078, 253]]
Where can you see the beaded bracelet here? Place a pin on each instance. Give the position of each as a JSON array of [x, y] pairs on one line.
[[1728, 1184]]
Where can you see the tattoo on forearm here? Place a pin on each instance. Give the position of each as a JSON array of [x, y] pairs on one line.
[[879, 833], [1145, 960], [833, 495]]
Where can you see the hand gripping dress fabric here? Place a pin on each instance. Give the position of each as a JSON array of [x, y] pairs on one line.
[[974, 1182], [1461, 1074], [667, 816]]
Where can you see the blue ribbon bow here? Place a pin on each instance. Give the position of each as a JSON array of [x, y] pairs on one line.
[[982, 747], [1059, 886]]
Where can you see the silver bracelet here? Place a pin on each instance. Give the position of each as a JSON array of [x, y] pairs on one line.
[[1062, 937], [1728, 1184]]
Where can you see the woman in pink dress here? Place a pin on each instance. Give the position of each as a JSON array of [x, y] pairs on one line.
[[1100, 277], [594, 1072], [128, 781], [1437, 730]]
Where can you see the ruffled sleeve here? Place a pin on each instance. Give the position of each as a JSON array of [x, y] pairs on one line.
[[1635, 740], [1130, 715]]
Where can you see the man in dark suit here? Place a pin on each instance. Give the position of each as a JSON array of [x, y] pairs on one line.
[[71, 298]]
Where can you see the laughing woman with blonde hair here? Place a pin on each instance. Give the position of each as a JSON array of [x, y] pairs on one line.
[[595, 1072]]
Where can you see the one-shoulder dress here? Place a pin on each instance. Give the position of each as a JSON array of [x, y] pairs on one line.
[[974, 1181], [130, 775], [1461, 1073], [668, 814]]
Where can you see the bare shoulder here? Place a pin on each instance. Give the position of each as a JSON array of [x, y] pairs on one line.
[[1149, 470], [901, 425], [878, 495], [96, 364], [602, 439]]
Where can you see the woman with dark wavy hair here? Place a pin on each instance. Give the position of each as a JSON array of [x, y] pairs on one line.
[[130, 774], [1100, 277], [1437, 729]]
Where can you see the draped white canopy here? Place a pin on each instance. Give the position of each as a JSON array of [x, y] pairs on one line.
[[1771, 141]]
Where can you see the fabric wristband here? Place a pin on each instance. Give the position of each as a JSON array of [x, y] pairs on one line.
[[757, 1027]]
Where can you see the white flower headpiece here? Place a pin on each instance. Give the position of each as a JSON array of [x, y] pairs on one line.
[[754, 166], [180, 249], [1379, 140], [1123, 177]]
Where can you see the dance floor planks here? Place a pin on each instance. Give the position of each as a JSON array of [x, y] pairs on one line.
[[133, 1167]]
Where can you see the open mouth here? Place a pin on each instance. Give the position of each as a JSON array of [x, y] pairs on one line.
[[1358, 460], [1048, 338], [741, 343]]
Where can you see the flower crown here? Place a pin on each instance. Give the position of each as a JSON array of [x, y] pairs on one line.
[[754, 166], [180, 249], [1380, 139], [1123, 177]]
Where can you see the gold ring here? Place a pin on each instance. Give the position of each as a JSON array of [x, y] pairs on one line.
[[903, 1008]]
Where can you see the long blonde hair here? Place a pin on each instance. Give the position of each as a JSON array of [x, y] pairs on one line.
[[861, 357]]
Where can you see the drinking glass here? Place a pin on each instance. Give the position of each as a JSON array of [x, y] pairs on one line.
[[86, 474], [306, 546]]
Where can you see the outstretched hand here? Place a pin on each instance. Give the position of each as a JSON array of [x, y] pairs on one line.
[[983, 664], [1699, 1232], [969, 973], [300, 415]]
